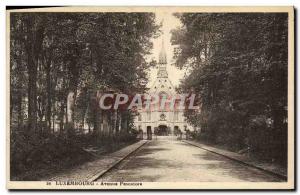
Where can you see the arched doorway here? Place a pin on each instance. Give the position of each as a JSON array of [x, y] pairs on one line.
[[149, 133], [176, 130], [162, 130]]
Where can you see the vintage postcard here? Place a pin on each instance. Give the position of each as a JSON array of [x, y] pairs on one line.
[[150, 98]]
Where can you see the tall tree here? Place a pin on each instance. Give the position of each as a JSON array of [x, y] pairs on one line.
[[238, 65]]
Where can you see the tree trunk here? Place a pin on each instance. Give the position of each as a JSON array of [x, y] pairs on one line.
[[61, 117], [32, 94], [19, 110], [70, 114], [33, 44], [49, 93], [96, 116]]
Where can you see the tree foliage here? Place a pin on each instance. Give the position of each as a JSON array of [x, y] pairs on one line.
[[53, 55], [238, 66]]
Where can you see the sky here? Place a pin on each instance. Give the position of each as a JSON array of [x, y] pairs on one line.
[[169, 22]]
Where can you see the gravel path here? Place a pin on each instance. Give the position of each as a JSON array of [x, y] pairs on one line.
[[164, 160]]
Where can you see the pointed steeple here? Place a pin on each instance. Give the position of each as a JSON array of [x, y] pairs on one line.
[[162, 54], [162, 62]]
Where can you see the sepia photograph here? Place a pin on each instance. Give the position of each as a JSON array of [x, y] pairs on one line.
[[150, 98]]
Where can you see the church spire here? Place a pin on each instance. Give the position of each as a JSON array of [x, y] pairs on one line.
[[162, 59], [162, 62]]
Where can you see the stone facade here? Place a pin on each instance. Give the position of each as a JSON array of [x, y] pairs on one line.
[[161, 121]]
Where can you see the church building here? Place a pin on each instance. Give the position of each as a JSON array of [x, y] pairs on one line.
[[162, 121]]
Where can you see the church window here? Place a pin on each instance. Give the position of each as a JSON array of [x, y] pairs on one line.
[[162, 86], [163, 94]]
